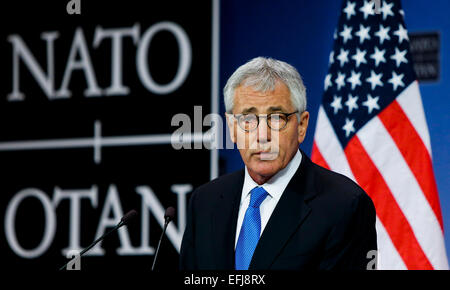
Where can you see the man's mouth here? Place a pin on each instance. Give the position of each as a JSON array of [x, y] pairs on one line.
[[266, 154], [261, 152]]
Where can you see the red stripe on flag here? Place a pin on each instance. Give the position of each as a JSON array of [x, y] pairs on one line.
[[317, 157], [414, 152], [388, 211]]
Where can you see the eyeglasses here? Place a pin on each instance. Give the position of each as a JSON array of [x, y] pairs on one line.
[[275, 121]]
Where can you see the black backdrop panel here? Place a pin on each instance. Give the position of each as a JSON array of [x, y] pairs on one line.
[[86, 103]]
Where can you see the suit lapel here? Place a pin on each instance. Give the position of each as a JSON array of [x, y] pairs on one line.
[[224, 222], [286, 218]]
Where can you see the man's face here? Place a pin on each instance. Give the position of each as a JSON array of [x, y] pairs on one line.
[[263, 150]]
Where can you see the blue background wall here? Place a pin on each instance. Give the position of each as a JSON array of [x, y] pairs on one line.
[[301, 33]]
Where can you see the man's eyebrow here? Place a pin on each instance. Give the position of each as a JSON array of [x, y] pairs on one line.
[[275, 109], [249, 110]]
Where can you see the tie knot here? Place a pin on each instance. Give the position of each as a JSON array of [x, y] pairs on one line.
[[257, 196]]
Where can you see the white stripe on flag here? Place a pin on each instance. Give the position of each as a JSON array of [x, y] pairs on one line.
[[330, 147], [405, 189], [388, 257], [411, 103]]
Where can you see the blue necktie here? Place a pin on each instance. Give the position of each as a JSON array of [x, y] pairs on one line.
[[250, 230]]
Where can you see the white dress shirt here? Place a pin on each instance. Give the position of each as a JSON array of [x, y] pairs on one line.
[[275, 187]]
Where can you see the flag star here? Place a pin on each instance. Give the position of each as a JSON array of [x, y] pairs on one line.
[[348, 127], [378, 56], [346, 33], [350, 9], [328, 81], [371, 103], [399, 57], [402, 33], [351, 103], [354, 79], [383, 33], [367, 9], [396, 80], [336, 104], [331, 58], [386, 9], [401, 12], [363, 33], [343, 56], [359, 57], [340, 80], [375, 79]]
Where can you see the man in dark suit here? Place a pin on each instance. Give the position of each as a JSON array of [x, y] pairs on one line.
[[281, 211]]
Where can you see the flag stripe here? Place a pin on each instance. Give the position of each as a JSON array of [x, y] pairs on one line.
[[390, 214], [414, 152], [404, 187], [411, 103], [328, 145], [317, 157], [388, 256]]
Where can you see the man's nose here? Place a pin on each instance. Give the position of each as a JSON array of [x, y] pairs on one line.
[[263, 131]]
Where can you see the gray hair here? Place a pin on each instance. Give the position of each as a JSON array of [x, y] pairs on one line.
[[262, 74]]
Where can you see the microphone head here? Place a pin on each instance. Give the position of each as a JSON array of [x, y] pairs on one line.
[[129, 216], [169, 214]]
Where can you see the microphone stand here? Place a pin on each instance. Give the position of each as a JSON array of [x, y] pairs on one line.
[[94, 243], [166, 223], [123, 221]]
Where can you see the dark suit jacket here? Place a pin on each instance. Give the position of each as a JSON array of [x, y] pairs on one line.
[[323, 220]]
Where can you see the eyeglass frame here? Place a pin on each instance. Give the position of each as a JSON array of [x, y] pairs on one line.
[[287, 115]]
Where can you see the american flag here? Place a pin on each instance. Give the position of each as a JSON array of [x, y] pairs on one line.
[[371, 127]]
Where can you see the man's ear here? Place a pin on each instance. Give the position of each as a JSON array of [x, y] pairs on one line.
[[231, 126], [303, 126]]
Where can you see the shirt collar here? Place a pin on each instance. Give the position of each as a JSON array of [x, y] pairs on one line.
[[276, 185]]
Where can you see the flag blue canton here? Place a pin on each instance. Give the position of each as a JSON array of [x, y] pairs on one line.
[[369, 66]]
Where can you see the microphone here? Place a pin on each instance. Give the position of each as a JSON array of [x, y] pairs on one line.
[[125, 220], [168, 217]]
